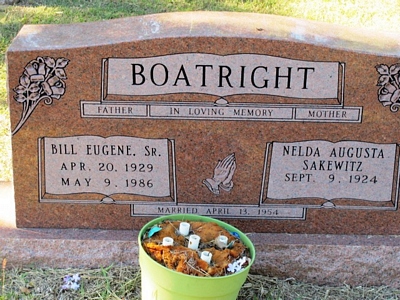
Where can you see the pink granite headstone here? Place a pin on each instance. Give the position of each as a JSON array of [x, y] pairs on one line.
[[279, 124]]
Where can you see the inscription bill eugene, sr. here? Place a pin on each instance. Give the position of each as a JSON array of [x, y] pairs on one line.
[[112, 165]]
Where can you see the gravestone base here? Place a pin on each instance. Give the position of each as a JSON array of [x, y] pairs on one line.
[[314, 258], [317, 259]]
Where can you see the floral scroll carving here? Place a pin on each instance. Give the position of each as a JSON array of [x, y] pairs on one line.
[[389, 86], [42, 80]]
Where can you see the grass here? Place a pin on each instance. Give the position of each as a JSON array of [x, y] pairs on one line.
[[123, 282]]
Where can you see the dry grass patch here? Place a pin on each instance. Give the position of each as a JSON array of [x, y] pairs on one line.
[[123, 282]]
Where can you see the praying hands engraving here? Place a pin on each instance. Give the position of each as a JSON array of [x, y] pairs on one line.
[[222, 176]]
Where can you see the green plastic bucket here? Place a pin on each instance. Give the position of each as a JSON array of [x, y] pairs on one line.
[[161, 283]]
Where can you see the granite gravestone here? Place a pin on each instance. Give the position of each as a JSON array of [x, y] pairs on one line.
[[279, 124]]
